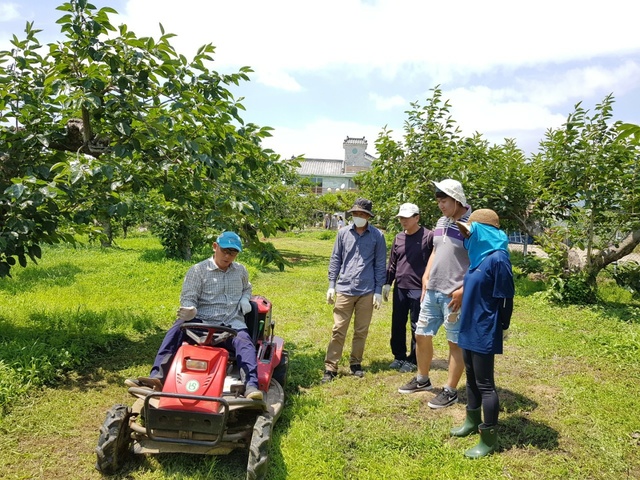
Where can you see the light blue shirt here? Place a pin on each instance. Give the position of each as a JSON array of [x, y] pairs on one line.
[[358, 262]]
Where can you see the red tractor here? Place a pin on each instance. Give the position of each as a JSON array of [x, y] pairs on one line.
[[200, 409]]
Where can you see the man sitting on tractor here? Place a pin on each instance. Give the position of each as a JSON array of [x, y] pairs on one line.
[[215, 291]]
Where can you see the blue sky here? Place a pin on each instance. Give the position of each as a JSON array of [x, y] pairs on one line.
[[337, 68]]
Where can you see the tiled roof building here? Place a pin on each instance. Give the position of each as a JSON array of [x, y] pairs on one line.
[[331, 175]]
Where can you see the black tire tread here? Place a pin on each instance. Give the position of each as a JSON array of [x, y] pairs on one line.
[[259, 448], [114, 443]]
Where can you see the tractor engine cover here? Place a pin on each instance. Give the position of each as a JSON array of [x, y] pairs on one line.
[[196, 370]]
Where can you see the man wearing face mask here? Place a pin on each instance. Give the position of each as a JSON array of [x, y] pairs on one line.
[[487, 304], [357, 272]]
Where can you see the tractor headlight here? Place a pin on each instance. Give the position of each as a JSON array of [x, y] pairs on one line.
[[197, 365]]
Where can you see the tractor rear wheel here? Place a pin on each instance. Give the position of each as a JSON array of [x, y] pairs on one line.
[[114, 443], [259, 448]]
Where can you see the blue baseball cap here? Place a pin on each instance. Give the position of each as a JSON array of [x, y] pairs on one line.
[[229, 240]]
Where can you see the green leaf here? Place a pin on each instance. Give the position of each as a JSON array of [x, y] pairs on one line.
[[123, 128], [15, 191], [64, 19], [34, 251], [167, 191], [5, 270]]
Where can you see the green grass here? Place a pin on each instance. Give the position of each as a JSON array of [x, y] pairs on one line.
[[74, 326]]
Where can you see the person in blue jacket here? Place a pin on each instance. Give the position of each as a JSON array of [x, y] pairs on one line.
[[487, 305]]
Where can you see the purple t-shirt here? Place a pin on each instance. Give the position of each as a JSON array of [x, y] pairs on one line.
[[408, 259]]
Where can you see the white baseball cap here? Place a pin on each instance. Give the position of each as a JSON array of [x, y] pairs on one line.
[[453, 189], [408, 210]]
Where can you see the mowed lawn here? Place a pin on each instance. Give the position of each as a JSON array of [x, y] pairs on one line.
[[85, 319]]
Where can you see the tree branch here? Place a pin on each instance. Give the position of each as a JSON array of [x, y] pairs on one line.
[[77, 139], [626, 246]]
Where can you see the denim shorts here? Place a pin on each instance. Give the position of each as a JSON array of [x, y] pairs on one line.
[[434, 312]]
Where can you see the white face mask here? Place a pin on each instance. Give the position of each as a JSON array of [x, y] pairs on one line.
[[359, 221]]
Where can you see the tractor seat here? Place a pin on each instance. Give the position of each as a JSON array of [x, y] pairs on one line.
[[253, 322]]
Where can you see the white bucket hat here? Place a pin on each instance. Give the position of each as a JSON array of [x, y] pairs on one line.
[[452, 188]]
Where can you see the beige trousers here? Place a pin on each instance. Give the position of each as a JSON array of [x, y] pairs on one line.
[[343, 309]]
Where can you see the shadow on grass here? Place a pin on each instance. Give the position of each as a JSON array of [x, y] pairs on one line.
[[628, 313], [519, 431], [54, 347], [303, 260], [382, 366], [27, 279], [516, 430], [511, 402]]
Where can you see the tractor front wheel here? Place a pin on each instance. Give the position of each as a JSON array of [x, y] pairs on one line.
[[114, 443], [259, 448]]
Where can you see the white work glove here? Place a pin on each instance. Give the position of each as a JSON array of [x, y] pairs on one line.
[[377, 300], [331, 295], [386, 288], [245, 306], [187, 313]]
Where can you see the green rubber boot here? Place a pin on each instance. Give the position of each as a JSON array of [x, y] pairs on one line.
[[469, 426], [487, 444]]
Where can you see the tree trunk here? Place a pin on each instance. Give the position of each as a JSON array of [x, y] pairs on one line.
[[107, 239], [185, 249]]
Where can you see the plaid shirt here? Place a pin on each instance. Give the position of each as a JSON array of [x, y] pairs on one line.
[[216, 293]]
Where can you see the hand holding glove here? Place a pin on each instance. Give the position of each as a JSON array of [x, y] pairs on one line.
[[377, 301], [187, 313], [331, 295], [386, 288], [245, 305]]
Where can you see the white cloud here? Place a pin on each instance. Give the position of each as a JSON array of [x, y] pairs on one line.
[[485, 110], [387, 103], [278, 79], [320, 138], [510, 69], [444, 38], [8, 12], [530, 105], [581, 82]]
